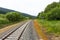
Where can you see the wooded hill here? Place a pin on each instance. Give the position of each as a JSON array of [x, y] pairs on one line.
[[5, 10]]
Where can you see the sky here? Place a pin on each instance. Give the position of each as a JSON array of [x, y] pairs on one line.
[[32, 7]]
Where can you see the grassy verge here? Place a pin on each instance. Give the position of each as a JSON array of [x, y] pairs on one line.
[[40, 33], [52, 27], [4, 22]]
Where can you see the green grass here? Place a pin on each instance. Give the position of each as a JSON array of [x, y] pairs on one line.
[[52, 27], [4, 22]]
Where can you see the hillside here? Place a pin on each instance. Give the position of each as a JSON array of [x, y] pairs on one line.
[[5, 10]]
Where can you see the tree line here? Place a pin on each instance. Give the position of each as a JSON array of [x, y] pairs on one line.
[[11, 18], [51, 12]]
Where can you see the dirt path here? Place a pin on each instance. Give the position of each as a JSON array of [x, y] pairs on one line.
[[41, 35]]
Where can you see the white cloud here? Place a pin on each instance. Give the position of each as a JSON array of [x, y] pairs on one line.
[[32, 7]]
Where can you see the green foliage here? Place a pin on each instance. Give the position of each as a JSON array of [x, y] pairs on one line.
[[41, 15], [51, 12], [54, 14], [52, 6], [13, 16], [10, 18], [50, 18], [2, 15], [52, 27], [3, 21]]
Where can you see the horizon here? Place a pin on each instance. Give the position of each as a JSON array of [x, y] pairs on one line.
[[31, 7]]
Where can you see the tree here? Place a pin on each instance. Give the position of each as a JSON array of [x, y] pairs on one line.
[[54, 14], [41, 15], [51, 6], [13, 16], [51, 12]]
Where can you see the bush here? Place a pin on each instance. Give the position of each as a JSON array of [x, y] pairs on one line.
[[2, 15], [3, 21], [13, 16]]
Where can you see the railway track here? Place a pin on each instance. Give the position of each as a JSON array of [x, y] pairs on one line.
[[13, 34], [25, 31]]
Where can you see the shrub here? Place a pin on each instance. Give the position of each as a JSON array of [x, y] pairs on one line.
[[3, 21]]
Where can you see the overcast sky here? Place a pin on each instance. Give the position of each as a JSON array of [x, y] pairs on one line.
[[32, 7]]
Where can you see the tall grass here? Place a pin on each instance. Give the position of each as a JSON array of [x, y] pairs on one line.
[[52, 27]]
